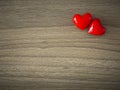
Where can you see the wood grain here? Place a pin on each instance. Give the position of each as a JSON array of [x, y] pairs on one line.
[[40, 48]]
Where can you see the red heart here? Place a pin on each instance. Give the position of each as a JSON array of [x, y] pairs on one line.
[[82, 21], [96, 27]]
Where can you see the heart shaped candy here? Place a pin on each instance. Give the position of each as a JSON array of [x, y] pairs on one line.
[[96, 27], [82, 21]]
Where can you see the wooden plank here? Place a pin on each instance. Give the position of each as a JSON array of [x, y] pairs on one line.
[[40, 48]]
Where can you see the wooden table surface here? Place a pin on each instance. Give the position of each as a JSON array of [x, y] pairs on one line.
[[41, 49]]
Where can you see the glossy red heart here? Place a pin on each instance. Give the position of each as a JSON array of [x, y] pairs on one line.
[[96, 27], [82, 21]]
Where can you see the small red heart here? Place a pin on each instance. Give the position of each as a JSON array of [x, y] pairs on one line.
[[96, 27], [82, 21]]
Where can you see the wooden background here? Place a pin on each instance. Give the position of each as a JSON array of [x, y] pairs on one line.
[[41, 49]]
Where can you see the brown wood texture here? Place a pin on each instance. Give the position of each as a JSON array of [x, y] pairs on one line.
[[41, 49]]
